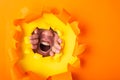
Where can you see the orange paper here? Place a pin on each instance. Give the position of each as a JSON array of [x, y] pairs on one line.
[[99, 31]]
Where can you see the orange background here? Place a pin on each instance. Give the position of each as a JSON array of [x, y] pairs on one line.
[[100, 30]]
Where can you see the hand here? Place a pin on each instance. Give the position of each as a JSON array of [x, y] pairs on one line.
[[34, 40], [56, 45], [37, 36]]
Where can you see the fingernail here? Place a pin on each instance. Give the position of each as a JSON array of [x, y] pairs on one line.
[[51, 54], [57, 51], [59, 40], [36, 31]]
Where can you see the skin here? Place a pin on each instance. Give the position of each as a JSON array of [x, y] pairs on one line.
[[45, 42]]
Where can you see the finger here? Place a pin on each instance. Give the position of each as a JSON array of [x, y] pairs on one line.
[[59, 41], [55, 50], [51, 53], [57, 46], [34, 47], [36, 31], [34, 36], [35, 41], [56, 37]]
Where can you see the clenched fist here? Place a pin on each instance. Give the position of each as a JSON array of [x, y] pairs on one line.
[[45, 42]]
